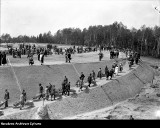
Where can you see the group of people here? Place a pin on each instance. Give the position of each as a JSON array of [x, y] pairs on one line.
[[115, 69], [133, 57], [48, 92], [114, 53], [23, 99], [3, 59], [110, 73]]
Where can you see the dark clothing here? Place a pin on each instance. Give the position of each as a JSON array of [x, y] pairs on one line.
[[0, 59], [65, 80], [69, 57], [63, 88], [82, 77], [40, 89], [99, 74], [41, 92], [111, 73], [25, 96], [39, 57], [31, 61], [106, 72], [66, 56], [6, 97], [68, 88], [4, 60], [89, 80], [100, 56]]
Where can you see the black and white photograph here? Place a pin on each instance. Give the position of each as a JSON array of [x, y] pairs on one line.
[[79, 60]]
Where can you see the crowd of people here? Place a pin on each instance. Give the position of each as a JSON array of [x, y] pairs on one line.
[[50, 92]]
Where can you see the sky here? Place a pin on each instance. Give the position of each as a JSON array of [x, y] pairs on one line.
[[32, 17]]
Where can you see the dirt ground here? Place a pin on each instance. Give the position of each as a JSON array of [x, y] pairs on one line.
[[145, 105]]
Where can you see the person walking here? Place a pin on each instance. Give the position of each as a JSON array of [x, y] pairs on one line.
[[4, 60], [6, 98], [40, 91], [82, 76], [66, 56], [89, 80], [22, 101], [120, 67], [63, 88], [69, 57], [25, 95], [93, 75], [99, 73], [106, 72], [111, 73], [116, 70], [53, 92], [42, 58], [46, 93], [65, 80], [68, 88]]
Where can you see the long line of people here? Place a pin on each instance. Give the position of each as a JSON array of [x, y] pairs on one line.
[[50, 92]]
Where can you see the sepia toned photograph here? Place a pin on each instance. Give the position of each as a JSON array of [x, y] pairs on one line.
[[79, 60]]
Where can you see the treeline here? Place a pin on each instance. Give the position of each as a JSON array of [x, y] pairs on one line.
[[145, 40]]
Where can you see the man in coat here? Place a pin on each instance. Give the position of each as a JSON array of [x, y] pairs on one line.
[[6, 98], [63, 88], [69, 57], [53, 92], [22, 101], [82, 76], [106, 72], [68, 88], [111, 73], [40, 91], [99, 73], [89, 80]]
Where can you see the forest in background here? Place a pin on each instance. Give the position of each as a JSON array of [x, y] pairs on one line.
[[145, 40]]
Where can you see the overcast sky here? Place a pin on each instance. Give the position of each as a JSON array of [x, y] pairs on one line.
[[31, 17]]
